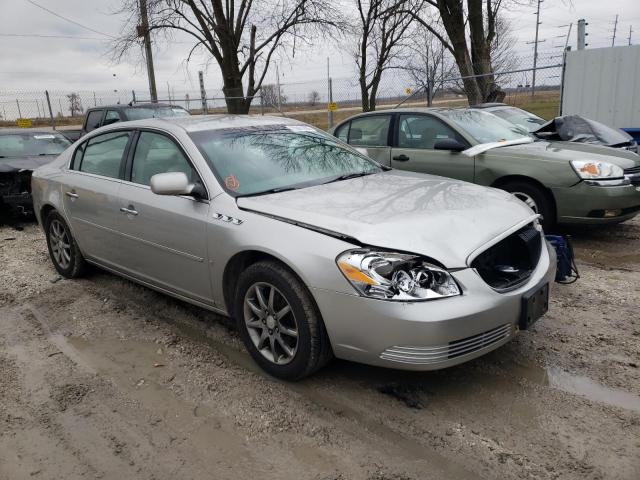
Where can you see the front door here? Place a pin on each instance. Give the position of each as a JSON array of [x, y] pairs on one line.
[[164, 237], [416, 136], [90, 195]]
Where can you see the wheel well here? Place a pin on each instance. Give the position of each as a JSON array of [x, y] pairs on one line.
[[44, 211], [521, 178], [238, 263]]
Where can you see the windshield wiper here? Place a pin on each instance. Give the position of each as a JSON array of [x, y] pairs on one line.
[[348, 176], [267, 192]]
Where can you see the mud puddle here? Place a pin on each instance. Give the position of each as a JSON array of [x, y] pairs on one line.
[[581, 385]]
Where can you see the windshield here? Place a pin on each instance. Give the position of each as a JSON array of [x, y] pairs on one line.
[[140, 113], [522, 118], [484, 127], [32, 144], [252, 161]]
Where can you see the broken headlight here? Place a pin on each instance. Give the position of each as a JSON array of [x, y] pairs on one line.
[[396, 276], [592, 170]]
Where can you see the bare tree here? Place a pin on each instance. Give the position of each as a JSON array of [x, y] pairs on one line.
[[271, 96], [241, 36], [381, 27], [75, 104], [473, 57], [314, 97], [429, 63]]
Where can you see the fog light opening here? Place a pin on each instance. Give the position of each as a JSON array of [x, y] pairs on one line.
[[612, 213]]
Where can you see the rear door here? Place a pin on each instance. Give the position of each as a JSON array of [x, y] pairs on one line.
[[414, 139], [371, 133], [164, 237], [90, 191]]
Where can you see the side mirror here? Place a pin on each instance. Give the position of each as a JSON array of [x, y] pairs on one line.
[[175, 183], [449, 144]]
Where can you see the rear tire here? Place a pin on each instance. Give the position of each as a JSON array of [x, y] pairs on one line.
[[63, 249], [536, 198], [279, 322]]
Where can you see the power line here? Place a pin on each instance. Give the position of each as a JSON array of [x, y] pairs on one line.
[[68, 19], [42, 35]]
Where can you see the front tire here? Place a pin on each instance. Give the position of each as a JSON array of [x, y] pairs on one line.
[[279, 322], [63, 249], [536, 198]]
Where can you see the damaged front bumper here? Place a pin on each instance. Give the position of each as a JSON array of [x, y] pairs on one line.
[[15, 192]]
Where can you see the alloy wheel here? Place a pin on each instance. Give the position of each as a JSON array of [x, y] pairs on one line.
[[60, 244], [271, 323], [531, 203]]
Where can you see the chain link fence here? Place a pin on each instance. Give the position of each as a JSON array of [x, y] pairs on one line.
[[307, 101]]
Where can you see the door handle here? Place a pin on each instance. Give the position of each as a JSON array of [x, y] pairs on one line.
[[129, 211], [401, 158], [71, 194]]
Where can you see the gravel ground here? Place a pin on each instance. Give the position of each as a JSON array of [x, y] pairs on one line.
[[102, 378]]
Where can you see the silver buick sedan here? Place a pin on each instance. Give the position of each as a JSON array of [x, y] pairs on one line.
[[315, 249]]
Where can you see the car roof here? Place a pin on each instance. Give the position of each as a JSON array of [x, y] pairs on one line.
[[209, 122], [411, 110], [489, 105], [135, 105], [35, 131]]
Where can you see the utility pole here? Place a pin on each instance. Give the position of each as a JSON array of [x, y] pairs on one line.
[[630, 32], [329, 97], [615, 28], [53, 122], [143, 31], [203, 94], [582, 34], [278, 88], [535, 50]]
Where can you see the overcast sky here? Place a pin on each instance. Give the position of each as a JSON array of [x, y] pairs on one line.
[[29, 63]]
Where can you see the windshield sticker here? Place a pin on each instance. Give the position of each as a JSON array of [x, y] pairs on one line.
[[300, 128], [44, 137], [232, 182]]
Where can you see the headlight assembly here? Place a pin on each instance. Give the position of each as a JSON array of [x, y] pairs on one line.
[[596, 170], [395, 276]]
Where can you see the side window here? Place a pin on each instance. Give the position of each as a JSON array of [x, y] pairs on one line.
[[156, 153], [111, 117], [423, 131], [342, 132], [77, 156], [103, 154], [93, 120], [370, 131]]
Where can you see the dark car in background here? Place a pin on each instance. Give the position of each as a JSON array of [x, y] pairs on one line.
[[97, 117], [566, 128], [21, 152]]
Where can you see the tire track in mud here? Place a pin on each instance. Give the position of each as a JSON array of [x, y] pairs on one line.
[[355, 424]]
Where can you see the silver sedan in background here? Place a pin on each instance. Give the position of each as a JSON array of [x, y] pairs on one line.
[[314, 249]]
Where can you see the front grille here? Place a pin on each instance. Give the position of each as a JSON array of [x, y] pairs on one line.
[[443, 353], [510, 262]]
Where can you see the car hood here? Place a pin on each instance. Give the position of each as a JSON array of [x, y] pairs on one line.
[[15, 164], [574, 128], [433, 216], [566, 151]]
